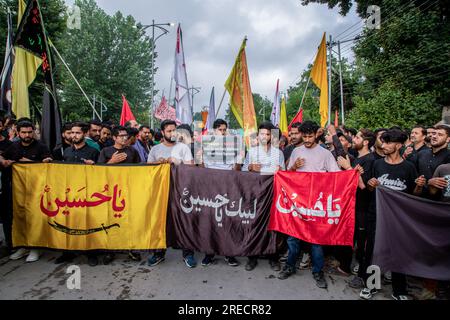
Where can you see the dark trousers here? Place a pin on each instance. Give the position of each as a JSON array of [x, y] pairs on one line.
[[368, 248], [344, 255], [399, 283]]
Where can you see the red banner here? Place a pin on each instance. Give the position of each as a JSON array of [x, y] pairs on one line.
[[315, 207]]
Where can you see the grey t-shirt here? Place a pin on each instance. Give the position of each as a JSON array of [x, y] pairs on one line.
[[443, 171], [179, 151], [317, 159]]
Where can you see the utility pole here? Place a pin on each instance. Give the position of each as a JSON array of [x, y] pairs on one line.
[[150, 114], [93, 111], [340, 82]]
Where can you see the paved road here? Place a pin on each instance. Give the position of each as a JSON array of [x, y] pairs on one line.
[[125, 279]]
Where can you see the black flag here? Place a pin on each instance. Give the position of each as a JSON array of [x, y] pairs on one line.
[[5, 76], [31, 36]]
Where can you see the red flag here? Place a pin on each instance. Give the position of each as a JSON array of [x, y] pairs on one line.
[[316, 207], [126, 115], [298, 118]]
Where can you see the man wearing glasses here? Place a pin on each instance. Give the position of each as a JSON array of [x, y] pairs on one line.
[[120, 152]]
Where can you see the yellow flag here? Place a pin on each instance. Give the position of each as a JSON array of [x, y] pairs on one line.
[[283, 117], [82, 207], [241, 99], [23, 74], [319, 77]]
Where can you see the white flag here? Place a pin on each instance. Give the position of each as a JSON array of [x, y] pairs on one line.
[[211, 112], [275, 116], [183, 103]]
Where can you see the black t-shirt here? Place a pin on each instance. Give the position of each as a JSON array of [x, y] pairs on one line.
[[427, 161], [363, 196], [107, 153], [107, 143], [376, 156], [400, 177], [58, 153], [36, 151], [4, 144], [288, 151], [74, 155]]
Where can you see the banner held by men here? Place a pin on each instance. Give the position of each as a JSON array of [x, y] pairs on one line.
[[79, 207]]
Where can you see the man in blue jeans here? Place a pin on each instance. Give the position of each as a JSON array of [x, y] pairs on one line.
[[310, 157]]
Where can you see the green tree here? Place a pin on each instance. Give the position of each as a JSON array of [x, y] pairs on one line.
[[110, 56], [263, 108]]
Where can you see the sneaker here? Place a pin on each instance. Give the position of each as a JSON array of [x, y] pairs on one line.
[[92, 260], [155, 260], [356, 283], [207, 260], [283, 258], [400, 297], [65, 257], [304, 264], [134, 255], [232, 261], [274, 265], [387, 277], [355, 269], [108, 258], [33, 256], [367, 293], [286, 272], [251, 264], [189, 261], [321, 282], [19, 254]]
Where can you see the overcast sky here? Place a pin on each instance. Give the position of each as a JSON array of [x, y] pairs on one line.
[[283, 37]]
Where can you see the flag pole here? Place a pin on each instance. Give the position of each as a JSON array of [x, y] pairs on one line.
[[76, 81], [340, 83], [221, 100], [306, 88], [329, 82]]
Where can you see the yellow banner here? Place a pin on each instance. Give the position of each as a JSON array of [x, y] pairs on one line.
[[82, 207], [320, 78]]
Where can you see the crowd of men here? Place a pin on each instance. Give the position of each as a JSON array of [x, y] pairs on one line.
[[415, 162]]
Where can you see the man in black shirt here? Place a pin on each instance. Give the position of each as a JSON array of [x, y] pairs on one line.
[[80, 152], [398, 174], [429, 159], [119, 153], [66, 133], [417, 137], [105, 137], [4, 144], [25, 150], [296, 141], [378, 151]]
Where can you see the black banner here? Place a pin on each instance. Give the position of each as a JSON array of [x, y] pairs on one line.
[[412, 235], [220, 211]]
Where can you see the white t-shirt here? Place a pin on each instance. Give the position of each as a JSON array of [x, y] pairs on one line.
[[317, 159], [269, 160], [179, 151]]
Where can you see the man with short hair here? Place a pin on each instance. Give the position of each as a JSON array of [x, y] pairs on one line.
[[142, 143], [27, 149], [310, 157], [105, 137], [170, 151], [132, 124], [265, 159], [93, 134], [119, 153], [378, 151], [417, 137], [66, 133], [398, 174], [220, 128], [430, 131], [295, 141], [429, 159], [79, 152]]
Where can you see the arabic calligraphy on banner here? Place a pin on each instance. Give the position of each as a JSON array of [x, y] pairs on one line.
[[318, 208], [83, 207]]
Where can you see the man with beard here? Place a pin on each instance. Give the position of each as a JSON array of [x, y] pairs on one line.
[[378, 151], [142, 145], [296, 141], [27, 149], [398, 174], [105, 137], [119, 153], [429, 159], [310, 157], [66, 133], [417, 137], [170, 151], [79, 152], [430, 131], [362, 143], [265, 159], [93, 134]]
